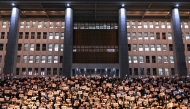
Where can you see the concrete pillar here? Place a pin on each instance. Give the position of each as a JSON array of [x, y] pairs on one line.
[[68, 43], [11, 49], [178, 48], [123, 44]]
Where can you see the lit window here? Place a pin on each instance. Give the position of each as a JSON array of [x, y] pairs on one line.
[[135, 59], [51, 24], [156, 24], [152, 35], [37, 60], [31, 47], [165, 59], [21, 24], [33, 24], [163, 25], [45, 24], [187, 36], [62, 35], [181, 25], [139, 24], [49, 59], [55, 59], [39, 24], [30, 59], [57, 35], [160, 71], [140, 47], [186, 25], [27, 24], [134, 35], [133, 24], [24, 59], [140, 36], [164, 47], [145, 25], [168, 25], [25, 47], [63, 25], [146, 36], [141, 59], [128, 24], [146, 47], [167, 72], [134, 47], [169, 36], [189, 59], [56, 24], [128, 36], [152, 47], [62, 47], [172, 59], [56, 47], [158, 47], [4, 24], [43, 59], [50, 47], [159, 59], [151, 25], [129, 59], [51, 35], [30, 72]]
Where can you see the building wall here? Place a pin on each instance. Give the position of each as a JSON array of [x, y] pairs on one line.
[[54, 68]]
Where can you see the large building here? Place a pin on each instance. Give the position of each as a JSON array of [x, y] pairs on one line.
[[100, 37]]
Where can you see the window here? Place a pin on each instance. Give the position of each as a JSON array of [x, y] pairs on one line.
[[158, 47], [38, 35], [37, 60], [55, 59], [43, 59], [134, 35], [32, 35], [147, 59], [44, 35], [140, 36], [146, 47], [151, 24], [188, 59], [152, 47], [146, 36], [61, 59], [168, 25], [169, 36], [45, 24], [48, 71], [158, 36], [1, 58], [165, 59], [33, 24], [135, 59], [186, 24], [129, 47], [24, 59], [164, 36], [20, 35], [51, 24], [56, 47], [135, 71], [62, 35], [128, 24], [49, 59], [39, 24], [4, 24], [22, 24], [159, 59], [163, 25], [156, 24], [62, 47], [30, 59], [26, 35], [171, 59], [134, 47], [56, 35], [27, 24], [25, 47], [151, 35], [31, 47], [171, 47], [133, 24], [164, 47], [187, 36], [43, 47], [145, 25], [56, 24], [167, 72], [129, 59], [1, 47], [51, 35], [128, 36], [141, 59], [63, 25], [139, 24], [153, 59], [2, 35], [23, 71], [160, 71], [19, 47], [29, 71], [140, 47], [50, 47], [154, 71], [37, 47]]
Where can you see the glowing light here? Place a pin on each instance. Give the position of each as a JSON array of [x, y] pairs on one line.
[[13, 4], [68, 4], [123, 5]]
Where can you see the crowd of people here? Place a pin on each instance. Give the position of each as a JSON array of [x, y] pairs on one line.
[[96, 92]]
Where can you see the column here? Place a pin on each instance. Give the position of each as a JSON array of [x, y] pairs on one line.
[[11, 49], [68, 43], [178, 48], [123, 44]]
